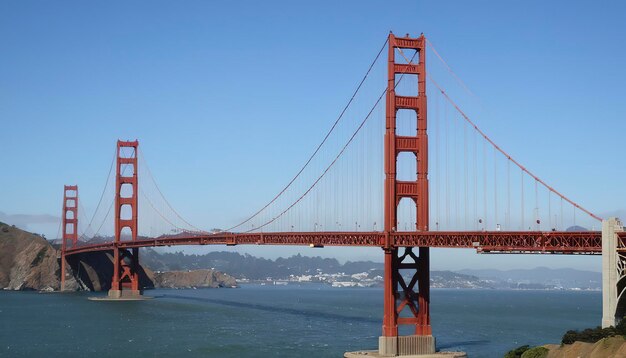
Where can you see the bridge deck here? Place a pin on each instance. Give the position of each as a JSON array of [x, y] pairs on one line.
[[552, 242]]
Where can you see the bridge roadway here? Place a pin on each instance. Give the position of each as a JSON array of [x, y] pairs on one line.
[[537, 242]]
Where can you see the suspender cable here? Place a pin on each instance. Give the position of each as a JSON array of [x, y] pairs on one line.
[[495, 187], [332, 128], [465, 213], [508, 195], [537, 206], [326, 170], [550, 211], [456, 107], [438, 170], [475, 218], [449, 69], [142, 158], [485, 185], [562, 228], [106, 184], [537, 219], [447, 131], [522, 175], [456, 173], [343, 149]]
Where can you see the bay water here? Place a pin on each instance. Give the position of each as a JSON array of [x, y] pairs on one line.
[[308, 320]]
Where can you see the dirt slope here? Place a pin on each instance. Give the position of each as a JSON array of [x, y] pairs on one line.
[[613, 347]]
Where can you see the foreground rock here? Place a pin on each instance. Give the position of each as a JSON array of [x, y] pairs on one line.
[[93, 271], [193, 278], [27, 261], [612, 347]]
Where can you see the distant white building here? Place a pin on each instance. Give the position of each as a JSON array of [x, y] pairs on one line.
[[360, 276], [344, 284]]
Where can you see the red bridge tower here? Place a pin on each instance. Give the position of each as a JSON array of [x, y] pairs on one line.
[[406, 303], [69, 221], [125, 263]]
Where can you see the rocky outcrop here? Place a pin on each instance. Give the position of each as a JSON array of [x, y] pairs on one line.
[[27, 261], [92, 271], [193, 278], [611, 347]]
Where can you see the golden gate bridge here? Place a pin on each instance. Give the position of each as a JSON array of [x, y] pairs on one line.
[[386, 174]]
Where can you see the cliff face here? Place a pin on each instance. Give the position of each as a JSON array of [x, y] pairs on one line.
[[194, 278], [27, 261], [93, 271]]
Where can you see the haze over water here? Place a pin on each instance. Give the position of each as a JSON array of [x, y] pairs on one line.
[[290, 321]]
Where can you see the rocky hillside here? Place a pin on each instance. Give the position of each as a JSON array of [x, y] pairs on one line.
[[27, 261], [193, 278], [612, 347], [93, 271]]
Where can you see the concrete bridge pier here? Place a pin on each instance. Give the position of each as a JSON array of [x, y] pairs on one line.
[[613, 273]]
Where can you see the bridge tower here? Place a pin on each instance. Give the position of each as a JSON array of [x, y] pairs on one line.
[[406, 303], [125, 263], [69, 221], [613, 273]]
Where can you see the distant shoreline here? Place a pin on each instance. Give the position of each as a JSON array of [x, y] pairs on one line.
[[379, 287]]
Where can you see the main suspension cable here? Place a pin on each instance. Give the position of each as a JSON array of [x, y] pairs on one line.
[[340, 152], [163, 196], [576, 205], [330, 131], [101, 196]]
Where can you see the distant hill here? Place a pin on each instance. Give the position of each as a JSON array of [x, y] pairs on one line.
[[449, 279], [297, 268], [247, 267], [576, 228], [555, 278], [251, 267]]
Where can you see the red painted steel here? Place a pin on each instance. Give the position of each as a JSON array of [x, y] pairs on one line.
[[70, 208], [402, 250], [537, 242], [416, 294], [126, 263]]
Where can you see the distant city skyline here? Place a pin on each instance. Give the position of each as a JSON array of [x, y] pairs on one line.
[[215, 92]]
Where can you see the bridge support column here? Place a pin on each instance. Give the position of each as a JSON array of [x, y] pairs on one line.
[[69, 221], [125, 282], [401, 297], [406, 301], [613, 273]]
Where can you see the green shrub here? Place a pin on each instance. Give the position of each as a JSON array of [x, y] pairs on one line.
[[517, 352], [40, 256], [592, 335], [620, 329], [537, 352]]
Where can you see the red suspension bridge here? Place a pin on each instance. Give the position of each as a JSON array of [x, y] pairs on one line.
[[373, 166]]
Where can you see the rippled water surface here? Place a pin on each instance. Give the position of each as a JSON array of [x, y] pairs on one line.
[[284, 321]]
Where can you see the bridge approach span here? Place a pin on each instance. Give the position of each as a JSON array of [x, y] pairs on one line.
[[540, 242]]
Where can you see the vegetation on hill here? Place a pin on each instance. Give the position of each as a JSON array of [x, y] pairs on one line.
[[517, 352], [590, 342], [592, 335], [527, 352], [251, 267], [256, 268]]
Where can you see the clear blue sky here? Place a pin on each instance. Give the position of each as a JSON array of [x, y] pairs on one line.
[[216, 91]]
